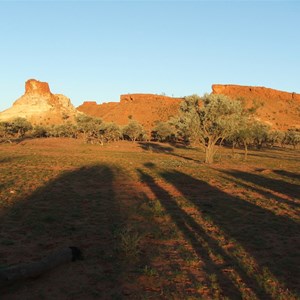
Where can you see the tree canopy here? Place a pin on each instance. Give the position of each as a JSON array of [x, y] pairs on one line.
[[209, 120]]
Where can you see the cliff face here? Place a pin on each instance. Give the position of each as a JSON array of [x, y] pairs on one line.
[[40, 106], [281, 110], [145, 108]]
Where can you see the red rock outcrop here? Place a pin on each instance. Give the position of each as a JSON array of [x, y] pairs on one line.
[[33, 86], [281, 110], [145, 108], [40, 106]]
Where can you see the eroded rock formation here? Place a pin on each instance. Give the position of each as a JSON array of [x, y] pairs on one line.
[[40, 106], [281, 110]]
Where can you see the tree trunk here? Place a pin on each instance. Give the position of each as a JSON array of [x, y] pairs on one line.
[[246, 150], [233, 148], [209, 154]]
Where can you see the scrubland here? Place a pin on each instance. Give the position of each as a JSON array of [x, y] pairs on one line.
[[152, 220]]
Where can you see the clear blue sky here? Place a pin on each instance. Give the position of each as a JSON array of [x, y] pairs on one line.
[[99, 50]]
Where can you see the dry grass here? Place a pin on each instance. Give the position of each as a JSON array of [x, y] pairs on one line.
[[153, 221]]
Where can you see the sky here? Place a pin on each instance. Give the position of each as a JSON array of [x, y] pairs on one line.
[[98, 50]]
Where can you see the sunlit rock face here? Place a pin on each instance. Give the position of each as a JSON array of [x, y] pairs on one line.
[[280, 110], [39, 106], [147, 109], [33, 86]]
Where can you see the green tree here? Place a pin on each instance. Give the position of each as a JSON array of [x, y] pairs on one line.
[[188, 124], [40, 131], [4, 128], [260, 133], [245, 134], [15, 128], [163, 131], [19, 126], [275, 137], [89, 127], [292, 137], [216, 120], [5, 132], [133, 130], [66, 130], [110, 132]]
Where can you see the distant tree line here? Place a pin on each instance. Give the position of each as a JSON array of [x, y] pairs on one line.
[[90, 129], [210, 121]]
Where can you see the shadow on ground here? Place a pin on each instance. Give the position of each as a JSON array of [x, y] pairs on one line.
[[271, 240], [158, 148], [276, 185], [80, 209], [287, 174], [280, 154]]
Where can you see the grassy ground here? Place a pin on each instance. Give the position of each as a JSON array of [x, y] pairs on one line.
[[152, 220]]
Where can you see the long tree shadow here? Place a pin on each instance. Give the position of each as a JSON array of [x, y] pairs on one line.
[[80, 209], [202, 243], [276, 185], [267, 194], [281, 154], [272, 240], [158, 148], [287, 174], [155, 147], [8, 159]]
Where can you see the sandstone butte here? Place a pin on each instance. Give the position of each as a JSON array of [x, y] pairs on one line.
[[39, 106], [281, 110]]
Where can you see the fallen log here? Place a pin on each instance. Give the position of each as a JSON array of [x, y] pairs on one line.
[[15, 273]]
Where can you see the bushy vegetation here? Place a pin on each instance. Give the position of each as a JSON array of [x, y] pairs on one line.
[[163, 132], [292, 137], [133, 131], [214, 120], [90, 129], [210, 121], [14, 129]]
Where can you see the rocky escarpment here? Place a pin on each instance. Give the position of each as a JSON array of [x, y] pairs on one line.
[[145, 108], [281, 110], [40, 106]]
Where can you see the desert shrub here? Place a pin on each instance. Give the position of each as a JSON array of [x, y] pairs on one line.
[[111, 132], [260, 134], [5, 133], [66, 130], [275, 137], [17, 128], [292, 137], [90, 128], [39, 131], [163, 131], [133, 131], [20, 126]]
